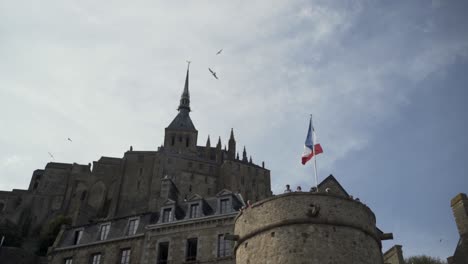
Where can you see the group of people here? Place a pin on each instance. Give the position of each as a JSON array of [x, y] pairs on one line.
[[299, 189], [288, 189]]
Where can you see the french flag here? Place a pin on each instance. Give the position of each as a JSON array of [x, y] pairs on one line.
[[310, 148]]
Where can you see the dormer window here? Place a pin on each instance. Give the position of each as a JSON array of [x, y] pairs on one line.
[[133, 226], [167, 215], [77, 237], [104, 231], [194, 208], [224, 206]]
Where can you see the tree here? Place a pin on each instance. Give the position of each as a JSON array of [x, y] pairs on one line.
[[12, 234], [53, 229], [423, 259]]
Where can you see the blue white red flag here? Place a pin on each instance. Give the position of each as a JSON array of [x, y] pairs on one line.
[[311, 147]]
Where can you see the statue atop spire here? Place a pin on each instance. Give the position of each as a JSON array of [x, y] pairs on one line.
[[185, 98]]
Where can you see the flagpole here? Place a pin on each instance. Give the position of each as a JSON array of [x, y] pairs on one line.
[[313, 151]]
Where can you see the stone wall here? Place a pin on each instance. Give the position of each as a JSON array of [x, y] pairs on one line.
[[207, 231], [307, 228], [394, 255]]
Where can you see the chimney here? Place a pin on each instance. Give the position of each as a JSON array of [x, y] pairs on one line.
[[459, 206]]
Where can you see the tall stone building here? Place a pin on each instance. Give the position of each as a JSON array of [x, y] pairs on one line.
[[183, 194]]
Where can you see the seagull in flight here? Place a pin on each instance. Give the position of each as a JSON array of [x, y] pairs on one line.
[[69, 139], [219, 52], [50, 154], [214, 73]]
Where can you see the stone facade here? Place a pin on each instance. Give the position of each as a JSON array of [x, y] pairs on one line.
[[138, 183], [459, 205], [308, 227]]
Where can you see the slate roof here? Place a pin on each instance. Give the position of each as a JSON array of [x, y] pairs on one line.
[[182, 122]]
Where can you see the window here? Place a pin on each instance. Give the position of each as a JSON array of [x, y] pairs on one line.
[[83, 195], [224, 246], [77, 237], [187, 141], [224, 206], [191, 253], [167, 215], [104, 231], [163, 252], [194, 210], [125, 256], [2, 205], [68, 261], [133, 226], [172, 140], [95, 258]]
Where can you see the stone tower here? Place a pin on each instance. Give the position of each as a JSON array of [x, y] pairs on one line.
[[181, 135], [459, 205], [308, 227]]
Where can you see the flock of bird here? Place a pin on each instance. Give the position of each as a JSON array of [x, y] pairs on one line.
[[213, 72]]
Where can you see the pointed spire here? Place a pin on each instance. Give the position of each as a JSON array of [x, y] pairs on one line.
[[237, 155], [218, 146], [244, 155], [250, 160], [185, 98], [232, 135], [208, 143]]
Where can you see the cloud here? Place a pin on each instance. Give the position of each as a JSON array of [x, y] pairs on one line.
[[110, 75]]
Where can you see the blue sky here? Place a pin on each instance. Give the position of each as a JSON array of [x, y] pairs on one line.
[[385, 80]]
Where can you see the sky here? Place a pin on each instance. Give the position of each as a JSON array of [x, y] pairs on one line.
[[384, 80]]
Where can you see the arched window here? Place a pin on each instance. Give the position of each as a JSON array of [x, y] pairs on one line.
[[187, 142], [172, 140], [2, 206]]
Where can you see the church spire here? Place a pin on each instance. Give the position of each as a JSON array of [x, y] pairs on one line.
[[185, 98], [232, 146]]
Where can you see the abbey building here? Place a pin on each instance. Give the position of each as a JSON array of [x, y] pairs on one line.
[[171, 205]]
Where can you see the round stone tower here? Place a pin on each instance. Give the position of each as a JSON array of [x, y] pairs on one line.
[[304, 227]]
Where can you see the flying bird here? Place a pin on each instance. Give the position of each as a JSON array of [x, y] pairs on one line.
[[214, 73], [219, 52], [69, 139], [50, 154]]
